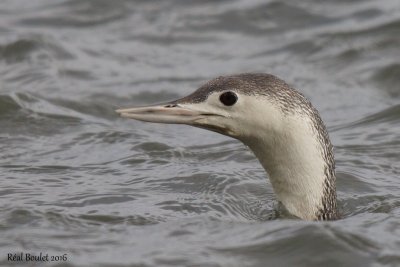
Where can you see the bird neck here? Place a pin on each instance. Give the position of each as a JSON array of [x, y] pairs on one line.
[[300, 165]]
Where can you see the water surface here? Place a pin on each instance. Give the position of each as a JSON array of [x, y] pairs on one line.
[[78, 180]]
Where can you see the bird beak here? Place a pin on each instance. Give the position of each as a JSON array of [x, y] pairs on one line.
[[167, 113]]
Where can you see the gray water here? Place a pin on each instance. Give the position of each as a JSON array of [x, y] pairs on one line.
[[79, 181]]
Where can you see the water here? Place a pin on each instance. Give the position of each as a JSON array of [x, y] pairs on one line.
[[79, 181]]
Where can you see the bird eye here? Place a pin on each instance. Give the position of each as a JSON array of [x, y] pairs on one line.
[[228, 98]]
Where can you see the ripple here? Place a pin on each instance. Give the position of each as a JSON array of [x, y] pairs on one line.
[[8, 105], [169, 39], [368, 203], [386, 27], [260, 19], [27, 115], [79, 14], [18, 50], [388, 79], [20, 217], [283, 245], [351, 183], [153, 147], [98, 219], [32, 109], [23, 48], [88, 200], [217, 195], [389, 115]]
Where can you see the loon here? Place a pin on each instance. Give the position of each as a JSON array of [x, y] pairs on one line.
[[280, 126]]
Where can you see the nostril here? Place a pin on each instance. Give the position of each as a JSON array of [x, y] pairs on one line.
[[171, 106]]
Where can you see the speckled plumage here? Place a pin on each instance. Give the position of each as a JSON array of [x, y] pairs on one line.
[[290, 101]]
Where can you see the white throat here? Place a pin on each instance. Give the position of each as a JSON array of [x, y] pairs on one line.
[[291, 153]]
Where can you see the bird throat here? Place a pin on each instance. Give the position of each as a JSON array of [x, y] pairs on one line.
[[301, 177]]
